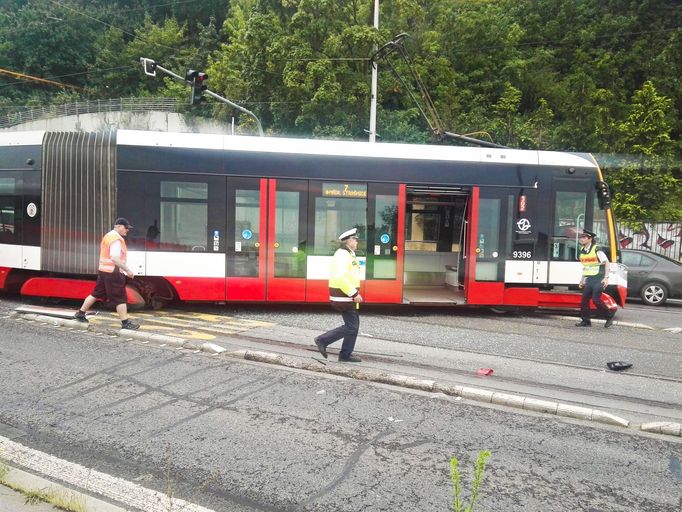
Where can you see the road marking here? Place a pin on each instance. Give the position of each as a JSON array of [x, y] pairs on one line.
[[92, 481], [195, 326]]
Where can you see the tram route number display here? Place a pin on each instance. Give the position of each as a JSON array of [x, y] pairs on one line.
[[352, 190], [522, 255]]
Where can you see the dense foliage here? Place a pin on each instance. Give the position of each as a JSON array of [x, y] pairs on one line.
[[588, 75]]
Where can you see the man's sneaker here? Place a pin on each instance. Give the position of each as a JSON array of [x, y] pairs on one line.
[[321, 348], [129, 324], [608, 323], [583, 324], [80, 316], [350, 359]]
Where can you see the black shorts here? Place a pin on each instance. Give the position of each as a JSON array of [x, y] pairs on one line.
[[111, 286]]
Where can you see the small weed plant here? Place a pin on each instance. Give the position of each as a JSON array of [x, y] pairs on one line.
[[455, 475]]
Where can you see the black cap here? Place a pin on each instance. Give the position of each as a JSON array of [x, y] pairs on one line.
[[122, 221], [588, 233]]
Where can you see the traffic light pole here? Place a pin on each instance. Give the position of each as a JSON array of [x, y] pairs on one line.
[[151, 67]]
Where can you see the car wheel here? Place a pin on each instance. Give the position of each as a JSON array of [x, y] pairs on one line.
[[654, 294]]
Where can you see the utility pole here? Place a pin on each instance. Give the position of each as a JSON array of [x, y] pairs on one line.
[[198, 88], [375, 72]]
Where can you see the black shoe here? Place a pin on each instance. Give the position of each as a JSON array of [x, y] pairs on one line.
[[321, 348], [80, 316], [608, 323], [584, 324], [350, 359], [129, 324]]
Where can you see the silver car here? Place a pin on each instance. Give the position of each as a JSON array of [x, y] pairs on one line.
[[653, 277]]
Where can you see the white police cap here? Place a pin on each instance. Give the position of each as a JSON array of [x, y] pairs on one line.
[[347, 234]]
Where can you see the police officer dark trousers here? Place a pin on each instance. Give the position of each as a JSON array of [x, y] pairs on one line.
[[595, 278], [344, 295]]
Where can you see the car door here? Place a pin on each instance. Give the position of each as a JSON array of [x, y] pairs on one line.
[[639, 268]]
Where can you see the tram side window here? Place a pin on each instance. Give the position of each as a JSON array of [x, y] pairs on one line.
[[334, 215], [599, 225], [184, 216], [8, 200], [569, 218], [384, 264], [423, 228], [488, 243], [244, 262]]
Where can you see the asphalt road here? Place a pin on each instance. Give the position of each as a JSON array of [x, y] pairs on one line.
[[240, 436]]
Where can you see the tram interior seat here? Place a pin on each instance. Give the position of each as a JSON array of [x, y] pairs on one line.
[[430, 268]]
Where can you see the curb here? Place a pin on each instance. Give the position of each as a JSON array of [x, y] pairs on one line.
[[476, 394]]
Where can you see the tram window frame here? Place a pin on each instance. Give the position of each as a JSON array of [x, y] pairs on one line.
[[384, 265], [10, 210], [324, 237], [563, 241], [488, 267], [243, 202], [184, 241], [599, 222]]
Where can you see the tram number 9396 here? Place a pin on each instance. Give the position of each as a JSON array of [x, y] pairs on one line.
[[522, 255]]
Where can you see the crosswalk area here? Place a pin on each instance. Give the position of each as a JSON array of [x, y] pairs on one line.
[[188, 325], [184, 324]]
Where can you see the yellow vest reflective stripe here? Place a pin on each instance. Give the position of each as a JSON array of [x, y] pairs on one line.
[[106, 264], [590, 261]]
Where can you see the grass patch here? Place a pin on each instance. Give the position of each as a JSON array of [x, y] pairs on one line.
[[69, 501], [459, 504]]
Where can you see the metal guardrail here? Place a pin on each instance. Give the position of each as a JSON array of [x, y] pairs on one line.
[[12, 116]]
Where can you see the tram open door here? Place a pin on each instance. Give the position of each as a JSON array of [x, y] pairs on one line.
[[434, 227]]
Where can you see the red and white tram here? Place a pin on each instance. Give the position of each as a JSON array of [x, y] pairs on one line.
[[233, 218]]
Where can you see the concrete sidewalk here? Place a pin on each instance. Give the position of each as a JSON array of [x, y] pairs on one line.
[[13, 501]]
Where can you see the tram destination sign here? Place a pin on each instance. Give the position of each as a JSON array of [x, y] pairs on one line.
[[352, 190]]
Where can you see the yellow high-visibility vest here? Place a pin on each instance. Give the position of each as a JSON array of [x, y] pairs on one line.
[[344, 279], [590, 261]]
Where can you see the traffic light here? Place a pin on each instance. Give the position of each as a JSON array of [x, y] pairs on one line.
[[603, 194], [149, 66], [198, 82]]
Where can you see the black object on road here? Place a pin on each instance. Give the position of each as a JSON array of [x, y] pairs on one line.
[[618, 366]]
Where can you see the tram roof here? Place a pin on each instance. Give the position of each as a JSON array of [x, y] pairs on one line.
[[325, 147], [351, 148]]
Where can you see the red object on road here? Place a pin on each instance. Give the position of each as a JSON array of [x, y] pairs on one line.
[[485, 371]]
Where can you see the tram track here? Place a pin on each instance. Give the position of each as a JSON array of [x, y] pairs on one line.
[[398, 361]]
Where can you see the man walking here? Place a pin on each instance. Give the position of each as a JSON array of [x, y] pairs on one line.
[[595, 278], [344, 295], [111, 275]]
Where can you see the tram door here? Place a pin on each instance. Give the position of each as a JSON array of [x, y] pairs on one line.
[[286, 243], [246, 238], [572, 211], [486, 241], [20, 219]]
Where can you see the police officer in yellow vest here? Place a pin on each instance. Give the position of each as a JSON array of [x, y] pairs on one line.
[[344, 295], [111, 275], [594, 280]]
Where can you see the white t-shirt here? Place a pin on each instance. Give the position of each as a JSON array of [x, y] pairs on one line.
[[115, 249], [601, 256]]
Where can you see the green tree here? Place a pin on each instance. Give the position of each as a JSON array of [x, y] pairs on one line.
[[645, 185]]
